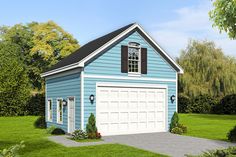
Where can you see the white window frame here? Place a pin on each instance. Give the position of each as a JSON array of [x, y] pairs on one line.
[[50, 112], [58, 112], [139, 60]]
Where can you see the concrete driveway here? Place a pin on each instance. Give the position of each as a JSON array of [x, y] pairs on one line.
[[167, 143]]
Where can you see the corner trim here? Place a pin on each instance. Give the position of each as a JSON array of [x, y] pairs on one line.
[[82, 98]]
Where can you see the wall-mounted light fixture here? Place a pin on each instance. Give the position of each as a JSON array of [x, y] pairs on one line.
[[172, 99], [64, 102], [91, 98]]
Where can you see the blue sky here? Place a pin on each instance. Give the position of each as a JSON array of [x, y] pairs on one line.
[[171, 22]]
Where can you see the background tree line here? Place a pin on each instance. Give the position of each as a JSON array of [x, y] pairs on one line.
[[209, 82], [26, 50]]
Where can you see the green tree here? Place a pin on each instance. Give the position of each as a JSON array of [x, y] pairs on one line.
[[207, 70], [14, 86], [91, 126], [42, 45], [223, 15]]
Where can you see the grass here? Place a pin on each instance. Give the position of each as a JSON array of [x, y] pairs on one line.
[[89, 140], [208, 126], [15, 129]]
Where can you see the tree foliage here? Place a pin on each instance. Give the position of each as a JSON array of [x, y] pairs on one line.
[[91, 126], [223, 15], [14, 86], [42, 45], [207, 70]]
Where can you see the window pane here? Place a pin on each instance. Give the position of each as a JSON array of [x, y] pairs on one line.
[[133, 59]]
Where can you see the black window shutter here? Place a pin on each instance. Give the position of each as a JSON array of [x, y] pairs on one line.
[[143, 61], [124, 59]]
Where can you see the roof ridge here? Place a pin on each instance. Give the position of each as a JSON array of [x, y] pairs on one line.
[[88, 48]]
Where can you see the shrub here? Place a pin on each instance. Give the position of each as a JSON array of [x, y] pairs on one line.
[[229, 152], [174, 121], [98, 135], [58, 131], [12, 151], [40, 123], [95, 135], [232, 135], [175, 126], [177, 130], [184, 128], [183, 103], [91, 126], [79, 135], [50, 129], [36, 105], [228, 104], [202, 104]]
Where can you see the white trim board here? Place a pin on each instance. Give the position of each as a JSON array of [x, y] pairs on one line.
[[82, 98], [68, 113], [66, 73], [128, 78], [130, 85], [96, 52]]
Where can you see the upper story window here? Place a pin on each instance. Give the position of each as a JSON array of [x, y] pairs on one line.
[[59, 111], [49, 110], [134, 58]]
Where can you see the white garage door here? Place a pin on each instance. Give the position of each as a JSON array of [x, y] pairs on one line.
[[130, 110]]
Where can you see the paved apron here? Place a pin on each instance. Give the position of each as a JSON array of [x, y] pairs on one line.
[[164, 143]]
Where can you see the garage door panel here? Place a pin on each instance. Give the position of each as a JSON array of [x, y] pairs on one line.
[[123, 110], [113, 127], [103, 117], [123, 117], [123, 105], [133, 116], [151, 116], [133, 126], [142, 126], [151, 125], [114, 105], [141, 105], [114, 117], [124, 127]]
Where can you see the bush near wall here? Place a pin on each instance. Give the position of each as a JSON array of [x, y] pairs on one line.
[[36, 105], [183, 103]]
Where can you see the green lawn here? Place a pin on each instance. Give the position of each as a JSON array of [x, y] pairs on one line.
[[89, 140], [15, 129], [208, 125]]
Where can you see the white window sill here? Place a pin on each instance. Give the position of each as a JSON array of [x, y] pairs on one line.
[[49, 120], [134, 74], [60, 123]]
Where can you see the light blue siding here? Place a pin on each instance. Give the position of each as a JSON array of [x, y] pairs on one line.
[[109, 64], [64, 87]]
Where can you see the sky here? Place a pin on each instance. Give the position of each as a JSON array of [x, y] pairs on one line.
[[171, 23]]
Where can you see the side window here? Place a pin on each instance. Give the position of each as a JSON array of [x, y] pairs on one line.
[[50, 110], [59, 111]]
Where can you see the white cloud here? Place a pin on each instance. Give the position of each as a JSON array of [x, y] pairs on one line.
[[190, 23]]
